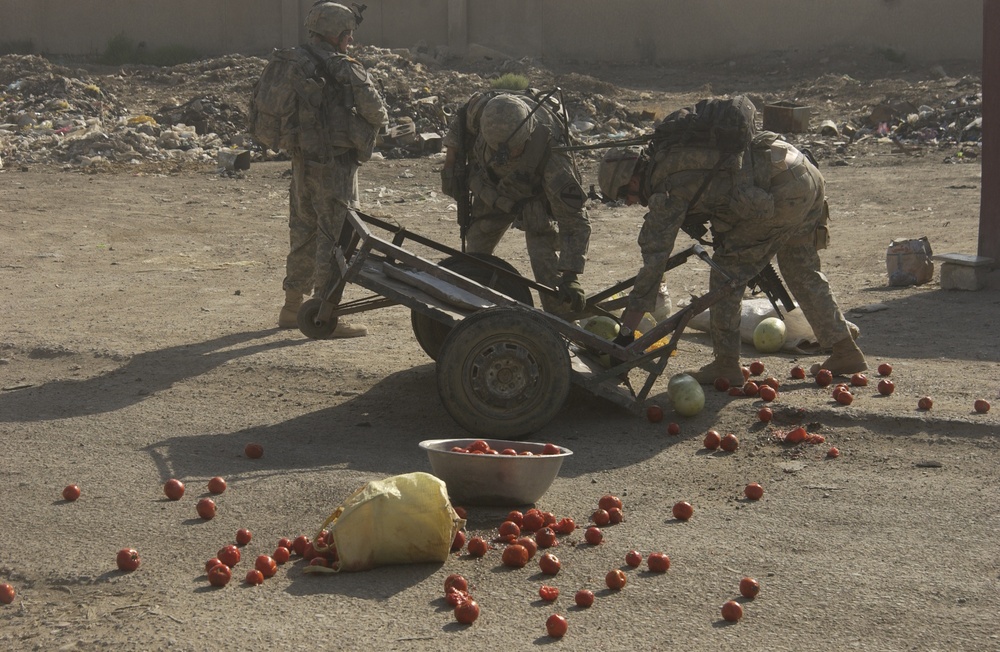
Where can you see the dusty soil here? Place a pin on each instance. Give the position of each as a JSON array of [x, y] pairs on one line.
[[138, 344]]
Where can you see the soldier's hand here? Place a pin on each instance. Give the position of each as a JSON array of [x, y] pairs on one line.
[[571, 292]]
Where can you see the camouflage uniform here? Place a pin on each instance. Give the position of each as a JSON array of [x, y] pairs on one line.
[[325, 175], [768, 202], [539, 191]]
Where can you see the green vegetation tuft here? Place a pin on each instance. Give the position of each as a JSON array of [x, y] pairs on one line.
[[510, 82]]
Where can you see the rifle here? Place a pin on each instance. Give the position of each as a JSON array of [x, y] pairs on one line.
[[767, 281], [461, 175]]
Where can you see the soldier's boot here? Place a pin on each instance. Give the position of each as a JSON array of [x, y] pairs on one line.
[[846, 359], [289, 315], [722, 367], [345, 329]]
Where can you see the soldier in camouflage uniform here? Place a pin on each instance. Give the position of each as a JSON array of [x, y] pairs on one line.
[[325, 164], [766, 201], [516, 179]]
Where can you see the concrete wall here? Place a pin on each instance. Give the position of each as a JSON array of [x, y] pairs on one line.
[[620, 31]]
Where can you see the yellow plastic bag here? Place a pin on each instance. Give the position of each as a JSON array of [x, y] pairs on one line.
[[403, 519]]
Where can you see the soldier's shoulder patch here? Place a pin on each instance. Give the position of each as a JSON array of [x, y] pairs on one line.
[[572, 195]]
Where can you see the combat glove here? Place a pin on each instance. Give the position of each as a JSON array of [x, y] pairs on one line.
[[571, 292]]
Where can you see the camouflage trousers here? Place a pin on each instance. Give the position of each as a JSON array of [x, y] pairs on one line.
[[488, 228], [319, 198], [790, 235]]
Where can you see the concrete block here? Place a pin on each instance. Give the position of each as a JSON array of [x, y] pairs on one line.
[[964, 271]]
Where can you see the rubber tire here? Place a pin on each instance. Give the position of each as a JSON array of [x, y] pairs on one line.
[[307, 321], [431, 333], [503, 373]]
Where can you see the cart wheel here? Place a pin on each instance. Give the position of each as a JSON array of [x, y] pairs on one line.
[[308, 324], [431, 333], [503, 373]]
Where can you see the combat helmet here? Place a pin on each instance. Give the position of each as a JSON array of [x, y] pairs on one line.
[[506, 123], [331, 19], [617, 168]]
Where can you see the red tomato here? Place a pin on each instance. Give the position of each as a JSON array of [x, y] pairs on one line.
[[658, 562], [608, 501], [266, 564], [549, 564], [516, 517], [556, 626], [767, 393], [633, 558], [885, 369], [772, 382], [285, 542], [673, 429], [281, 554], [548, 593], [457, 582], [593, 535], [815, 439], [749, 587], [833, 452], [845, 398], [729, 443], [746, 373], [458, 542], [216, 485], [206, 508], [732, 610], [753, 491], [797, 436], [750, 388], [174, 489], [478, 546], [128, 560], [765, 414], [859, 380], [529, 544], [736, 391], [551, 449], [615, 515], [229, 555], [467, 611], [509, 528], [479, 445], [299, 544], [982, 406], [925, 403], [798, 373], [214, 561], [532, 521], [756, 368], [886, 387], [454, 597], [565, 525], [584, 598], [253, 451], [712, 440], [546, 538], [654, 413], [615, 579], [243, 536], [220, 575], [320, 561], [254, 577], [7, 593], [600, 517], [71, 492], [515, 555], [460, 511], [824, 377], [683, 510], [721, 384]]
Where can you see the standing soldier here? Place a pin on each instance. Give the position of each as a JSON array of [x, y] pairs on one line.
[[326, 159], [771, 203], [505, 141]]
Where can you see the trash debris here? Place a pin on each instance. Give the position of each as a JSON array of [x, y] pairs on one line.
[[908, 262]]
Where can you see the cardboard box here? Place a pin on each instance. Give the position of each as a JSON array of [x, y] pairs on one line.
[[787, 117]]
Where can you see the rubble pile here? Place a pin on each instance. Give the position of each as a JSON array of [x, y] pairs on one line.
[[52, 114]]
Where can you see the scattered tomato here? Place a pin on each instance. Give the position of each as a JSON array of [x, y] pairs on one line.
[[833, 452], [548, 593], [458, 542], [616, 516], [516, 517], [206, 508], [683, 510], [772, 382], [732, 610], [886, 387], [478, 546], [216, 485], [299, 544], [753, 491], [765, 414], [593, 535], [750, 388], [925, 403], [798, 373], [220, 575], [509, 528], [229, 555], [285, 542], [658, 562], [712, 440], [633, 558], [281, 554], [266, 564], [454, 597], [615, 579], [529, 544], [600, 517], [608, 501], [532, 521], [71, 492], [457, 582], [467, 611], [567, 525], [982, 406], [797, 435], [556, 626], [460, 511], [584, 598], [654, 413], [749, 588], [546, 538], [7, 593], [746, 373], [515, 556], [859, 380], [767, 393], [845, 398], [254, 577], [729, 443], [173, 488], [128, 560], [243, 536], [253, 451], [549, 564], [884, 369], [673, 429], [756, 368], [721, 384], [824, 377], [214, 561], [319, 561], [815, 439]]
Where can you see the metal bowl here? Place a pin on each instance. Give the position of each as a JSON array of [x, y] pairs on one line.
[[474, 479]]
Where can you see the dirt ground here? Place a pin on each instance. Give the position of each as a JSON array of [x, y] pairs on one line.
[[138, 344]]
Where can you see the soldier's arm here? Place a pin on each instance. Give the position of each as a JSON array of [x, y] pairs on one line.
[[656, 242], [367, 98], [566, 198]]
